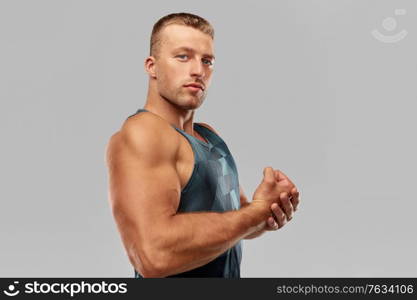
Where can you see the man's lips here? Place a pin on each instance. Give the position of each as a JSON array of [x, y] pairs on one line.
[[195, 86]]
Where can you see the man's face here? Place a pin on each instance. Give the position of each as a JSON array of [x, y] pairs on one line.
[[185, 57]]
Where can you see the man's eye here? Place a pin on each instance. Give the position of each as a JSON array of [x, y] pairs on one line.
[[182, 56], [207, 61]]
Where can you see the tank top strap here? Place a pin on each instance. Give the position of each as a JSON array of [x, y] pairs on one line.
[[210, 135], [203, 131], [138, 111]]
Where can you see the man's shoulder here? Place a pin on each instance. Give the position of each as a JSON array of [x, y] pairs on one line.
[[147, 135]]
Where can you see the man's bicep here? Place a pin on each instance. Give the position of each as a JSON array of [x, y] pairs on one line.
[[144, 189]]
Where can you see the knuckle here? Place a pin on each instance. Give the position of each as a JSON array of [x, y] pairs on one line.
[[287, 184], [285, 200]]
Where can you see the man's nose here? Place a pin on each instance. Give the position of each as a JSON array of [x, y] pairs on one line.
[[197, 68]]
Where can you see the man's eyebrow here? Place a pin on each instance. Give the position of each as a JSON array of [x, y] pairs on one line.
[[188, 49]]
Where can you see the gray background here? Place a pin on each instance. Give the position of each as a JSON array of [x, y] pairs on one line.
[[302, 86]]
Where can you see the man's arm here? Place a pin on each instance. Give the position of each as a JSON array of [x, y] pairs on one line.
[[277, 219], [145, 189], [243, 203]]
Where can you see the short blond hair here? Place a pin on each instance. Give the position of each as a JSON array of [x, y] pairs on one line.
[[186, 19]]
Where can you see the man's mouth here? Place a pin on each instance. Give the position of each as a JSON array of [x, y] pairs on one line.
[[194, 86]]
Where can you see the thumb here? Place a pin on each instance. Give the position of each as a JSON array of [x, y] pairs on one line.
[[269, 175]]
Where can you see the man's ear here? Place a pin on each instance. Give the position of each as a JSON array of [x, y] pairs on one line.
[[150, 66]]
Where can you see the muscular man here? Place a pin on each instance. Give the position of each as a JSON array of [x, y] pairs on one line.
[[173, 184]]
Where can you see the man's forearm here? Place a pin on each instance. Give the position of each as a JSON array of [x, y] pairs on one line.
[[194, 239], [255, 234]]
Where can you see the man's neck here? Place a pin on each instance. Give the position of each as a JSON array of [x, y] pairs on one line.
[[182, 119]]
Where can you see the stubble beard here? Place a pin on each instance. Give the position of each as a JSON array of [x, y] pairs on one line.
[[181, 99]]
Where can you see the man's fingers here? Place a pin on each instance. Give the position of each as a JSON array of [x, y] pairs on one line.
[[295, 199], [279, 215], [287, 205], [283, 181], [279, 175], [272, 224]]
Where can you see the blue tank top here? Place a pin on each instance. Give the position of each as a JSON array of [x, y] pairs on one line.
[[213, 186]]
